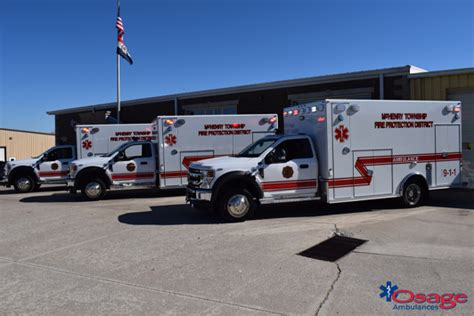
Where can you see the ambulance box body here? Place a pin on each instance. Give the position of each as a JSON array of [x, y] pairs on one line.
[[339, 151], [162, 160]]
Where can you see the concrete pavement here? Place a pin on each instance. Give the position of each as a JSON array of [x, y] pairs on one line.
[[148, 252]]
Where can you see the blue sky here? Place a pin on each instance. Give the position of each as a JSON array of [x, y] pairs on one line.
[[61, 53]]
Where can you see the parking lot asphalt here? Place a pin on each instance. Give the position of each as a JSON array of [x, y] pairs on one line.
[[147, 252]]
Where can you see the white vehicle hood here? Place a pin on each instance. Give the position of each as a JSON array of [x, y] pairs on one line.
[[92, 161], [225, 163], [23, 162]]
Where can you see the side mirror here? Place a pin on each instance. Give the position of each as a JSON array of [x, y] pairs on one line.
[[277, 155], [50, 157], [280, 154], [120, 156], [261, 168]]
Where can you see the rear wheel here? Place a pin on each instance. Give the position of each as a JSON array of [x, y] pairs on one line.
[[24, 183], [93, 189], [414, 194], [236, 205]]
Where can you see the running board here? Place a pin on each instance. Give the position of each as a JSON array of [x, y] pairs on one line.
[[118, 187], [272, 201]]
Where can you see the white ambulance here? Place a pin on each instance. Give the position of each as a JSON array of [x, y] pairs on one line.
[[51, 167], [163, 161], [338, 151]]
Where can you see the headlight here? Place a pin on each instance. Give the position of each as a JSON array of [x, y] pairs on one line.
[[210, 174], [207, 176], [72, 169]]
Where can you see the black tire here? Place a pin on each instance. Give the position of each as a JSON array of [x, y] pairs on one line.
[[240, 212], [24, 183], [414, 194], [93, 189]]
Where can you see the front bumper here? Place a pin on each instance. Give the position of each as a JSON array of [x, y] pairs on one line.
[[193, 194], [70, 183], [4, 181]]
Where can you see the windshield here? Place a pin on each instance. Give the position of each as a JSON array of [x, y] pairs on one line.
[[43, 154], [257, 148], [113, 152]]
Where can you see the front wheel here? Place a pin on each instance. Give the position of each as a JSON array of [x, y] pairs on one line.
[[414, 194], [236, 205], [93, 189], [24, 183]]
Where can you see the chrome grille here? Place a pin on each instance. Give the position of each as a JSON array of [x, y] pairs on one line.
[[194, 177]]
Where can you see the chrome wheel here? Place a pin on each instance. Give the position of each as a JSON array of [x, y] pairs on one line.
[[93, 190], [24, 184], [413, 194], [238, 205]]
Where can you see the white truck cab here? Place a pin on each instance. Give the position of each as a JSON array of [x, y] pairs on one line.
[[338, 151], [52, 166], [163, 161]]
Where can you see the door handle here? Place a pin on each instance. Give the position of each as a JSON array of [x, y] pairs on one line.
[[304, 166], [144, 163]]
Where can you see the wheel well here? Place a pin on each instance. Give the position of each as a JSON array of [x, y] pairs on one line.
[[415, 178], [237, 181], [90, 174], [19, 171]]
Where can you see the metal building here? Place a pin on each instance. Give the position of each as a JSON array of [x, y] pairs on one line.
[[458, 85], [271, 97], [19, 144]]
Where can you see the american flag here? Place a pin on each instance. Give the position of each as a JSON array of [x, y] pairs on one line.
[[121, 48]]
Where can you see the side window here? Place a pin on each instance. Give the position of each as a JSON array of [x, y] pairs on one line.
[[60, 153], [298, 149], [290, 150], [65, 153], [138, 151]]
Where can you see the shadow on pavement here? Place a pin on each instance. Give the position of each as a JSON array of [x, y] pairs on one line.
[[112, 195], [185, 215], [169, 215], [42, 189], [455, 198]]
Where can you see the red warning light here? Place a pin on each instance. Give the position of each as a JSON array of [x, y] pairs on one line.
[[285, 113], [321, 119], [296, 112], [235, 125], [273, 119]]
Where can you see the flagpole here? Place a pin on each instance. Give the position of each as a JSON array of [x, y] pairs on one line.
[[118, 89], [118, 72]]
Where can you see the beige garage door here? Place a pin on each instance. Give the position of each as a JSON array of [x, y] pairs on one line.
[[467, 99]]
